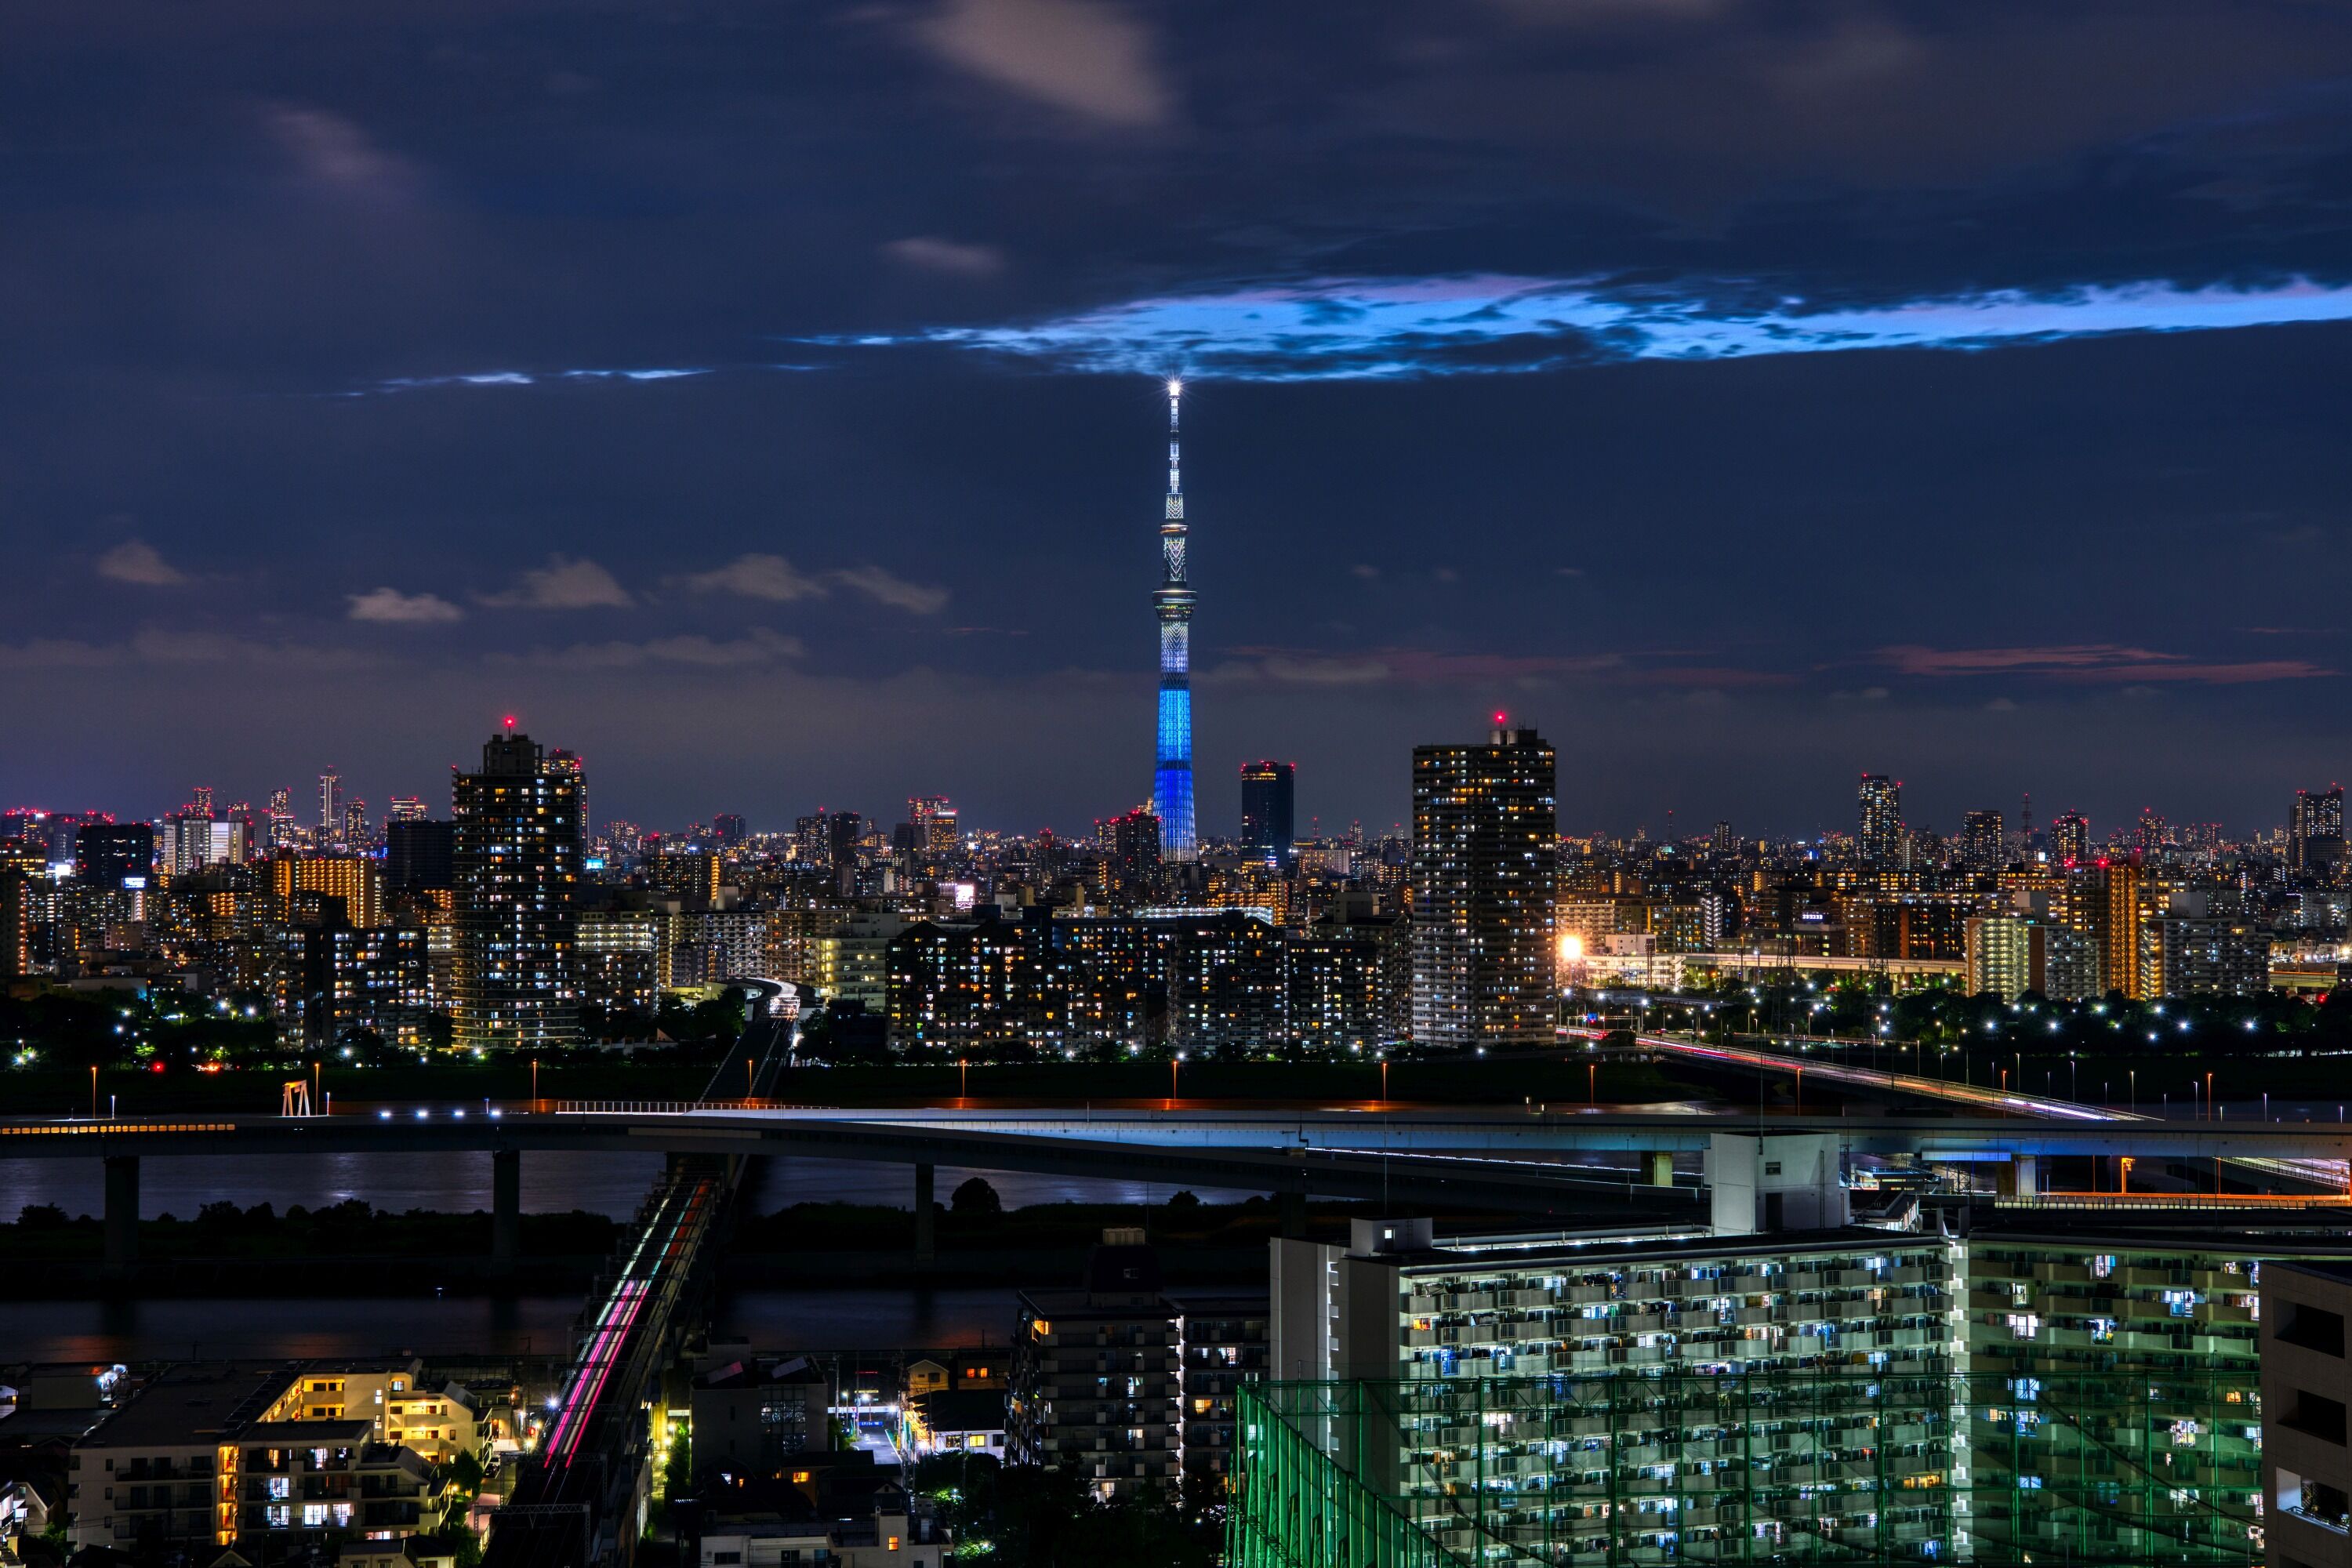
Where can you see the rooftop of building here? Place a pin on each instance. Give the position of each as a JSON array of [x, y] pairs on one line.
[[760, 1372], [2336, 1270], [1513, 1254], [189, 1408], [348, 1433], [962, 1409], [371, 1366]]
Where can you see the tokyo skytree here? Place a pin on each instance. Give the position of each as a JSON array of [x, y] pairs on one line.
[[1171, 782]]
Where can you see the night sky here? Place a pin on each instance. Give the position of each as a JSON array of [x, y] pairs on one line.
[[761, 400]]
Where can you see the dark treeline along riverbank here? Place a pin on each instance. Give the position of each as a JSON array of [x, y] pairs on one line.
[[351, 1248]]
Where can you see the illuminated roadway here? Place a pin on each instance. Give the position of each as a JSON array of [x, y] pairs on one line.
[[1191, 1135]]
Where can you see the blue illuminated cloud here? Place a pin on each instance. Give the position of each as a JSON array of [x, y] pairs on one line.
[[530, 378], [1364, 328]]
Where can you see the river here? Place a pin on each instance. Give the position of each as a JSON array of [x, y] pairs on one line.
[[870, 1317]]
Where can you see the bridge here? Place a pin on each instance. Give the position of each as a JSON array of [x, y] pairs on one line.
[[1535, 1160]]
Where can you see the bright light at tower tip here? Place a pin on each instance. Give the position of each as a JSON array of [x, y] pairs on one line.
[[1175, 388]]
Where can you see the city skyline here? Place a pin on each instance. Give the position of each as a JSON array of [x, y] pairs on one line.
[[1229, 824]]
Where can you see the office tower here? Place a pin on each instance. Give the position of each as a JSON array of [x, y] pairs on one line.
[[931, 825], [1484, 856], [2315, 840], [404, 808], [565, 760], [1984, 845], [729, 827], [518, 852], [330, 801], [419, 855], [356, 823], [2152, 836], [2070, 838], [1879, 840], [200, 801], [114, 854], [1172, 784], [1720, 843], [1269, 812]]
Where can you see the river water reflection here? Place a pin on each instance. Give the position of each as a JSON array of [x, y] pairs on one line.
[[867, 1317]]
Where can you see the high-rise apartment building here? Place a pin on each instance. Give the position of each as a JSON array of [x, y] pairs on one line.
[[419, 854], [2070, 838], [1130, 846], [2200, 957], [2116, 915], [565, 761], [1879, 838], [2315, 837], [330, 801], [1171, 780], [517, 853], [1484, 838], [1130, 1387], [1984, 843], [355, 880], [280, 819], [1269, 812]]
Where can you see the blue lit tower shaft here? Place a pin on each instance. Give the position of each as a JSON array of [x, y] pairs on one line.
[[1171, 782]]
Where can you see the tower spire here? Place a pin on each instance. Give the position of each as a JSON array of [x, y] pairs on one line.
[[1171, 782]]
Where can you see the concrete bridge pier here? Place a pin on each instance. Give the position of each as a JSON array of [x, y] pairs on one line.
[[121, 1215], [2021, 1177], [1294, 1213], [926, 1224], [506, 1212]]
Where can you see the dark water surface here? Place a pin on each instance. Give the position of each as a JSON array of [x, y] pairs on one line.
[[278, 1319]]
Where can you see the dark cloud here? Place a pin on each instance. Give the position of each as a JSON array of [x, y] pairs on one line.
[[361, 315]]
